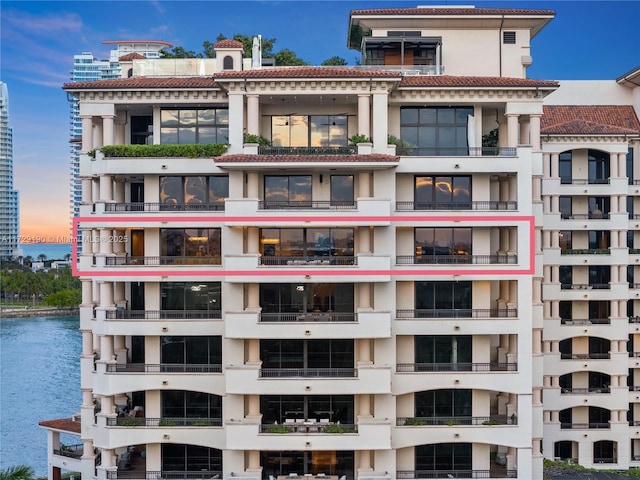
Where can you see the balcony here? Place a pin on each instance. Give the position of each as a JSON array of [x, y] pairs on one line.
[[585, 321], [309, 427], [148, 207], [364, 324], [452, 421], [418, 474], [585, 286], [163, 260], [308, 373], [585, 356], [70, 451], [585, 426], [307, 260], [348, 150], [500, 259], [163, 422], [456, 367], [162, 368], [585, 251], [308, 205], [164, 475], [457, 152], [477, 205], [584, 391], [163, 314], [440, 313]]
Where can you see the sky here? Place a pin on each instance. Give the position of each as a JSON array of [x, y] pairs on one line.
[[586, 40]]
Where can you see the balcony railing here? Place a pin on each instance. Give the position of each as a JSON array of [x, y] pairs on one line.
[[162, 314], [634, 286], [163, 422], [634, 319], [458, 313], [505, 259], [457, 367], [308, 260], [163, 207], [164, 260], [585, 251], [308, 317], [416, 474], [634, 388], [585, 286], [585, 321], [163, 368], [71, 451], [584, 216], [308, 205], [585, 181], [348, 150], [404, 69], [585, 356], [308, 372], [309, 427], [457, 152], [164, 475], [451, 421], [477, 205], [585, 426], [605, 460], [584, 391]]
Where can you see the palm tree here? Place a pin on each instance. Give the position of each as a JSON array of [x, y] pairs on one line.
[[42, 257], [17, 472], [67, 257]]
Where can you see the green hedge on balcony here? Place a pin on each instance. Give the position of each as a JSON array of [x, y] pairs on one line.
[[188, 151]]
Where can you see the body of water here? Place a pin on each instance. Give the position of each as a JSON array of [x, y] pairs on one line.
[[39, 380], [53, 251]]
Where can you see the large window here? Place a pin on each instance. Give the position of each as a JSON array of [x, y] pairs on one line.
[[443, 298], [309, 131], [194, 192], [191, 242], [278, 408], [312, 354], [444, 403], [442, 241], [191, 296], [599, 276], [306, 244], [565, 206], [598, 166], [630, 174], [330, 463], [288, 190], [435, 131], [444, 456], [342, 193], [206, 125], [565, 167], [599, 207], [307, 297], [205, 350], [452, 192], [187, 404], [191, 458], [443, 349]]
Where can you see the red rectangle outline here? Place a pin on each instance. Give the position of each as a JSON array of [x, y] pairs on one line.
[[324, 272]]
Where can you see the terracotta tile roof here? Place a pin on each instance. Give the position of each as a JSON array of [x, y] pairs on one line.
[[63, 424], [589, 120], [228, 43], [308, 72], [143, 82], [246, 158], [455, 81], [131, 56], [451, 11]]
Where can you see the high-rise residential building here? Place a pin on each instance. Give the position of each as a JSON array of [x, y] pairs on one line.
[[419, 267], [9, 212], [87, 68]]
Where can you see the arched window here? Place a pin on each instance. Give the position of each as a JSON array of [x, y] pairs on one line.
[[227, 63]]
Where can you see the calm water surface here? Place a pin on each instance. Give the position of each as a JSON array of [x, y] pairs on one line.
[[39, 380]]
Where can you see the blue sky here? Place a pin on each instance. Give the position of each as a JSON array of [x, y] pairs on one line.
[[586, 40]]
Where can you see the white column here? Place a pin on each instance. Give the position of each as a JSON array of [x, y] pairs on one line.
[[534, 131], [108, 131], [121, 124], [364, 114], [546, 165], [622, 165], [380, 122], [87, 134], [236, 122], [87, 190], [555, 165], [253, 114], [513, 129], [252, 185], [106, 188]]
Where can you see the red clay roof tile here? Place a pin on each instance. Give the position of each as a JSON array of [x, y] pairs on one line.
[[308, 72], [131, 56], [228, 43], [589, 120], [143, 83], [63, 424], [455, 81]]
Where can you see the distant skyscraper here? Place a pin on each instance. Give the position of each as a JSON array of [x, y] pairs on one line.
[[8, 196], [86, 68]]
